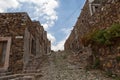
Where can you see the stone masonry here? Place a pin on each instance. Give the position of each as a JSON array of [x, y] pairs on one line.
[[24, 39], [99, 14]]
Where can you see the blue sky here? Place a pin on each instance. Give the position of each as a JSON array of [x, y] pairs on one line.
[[57, 16]]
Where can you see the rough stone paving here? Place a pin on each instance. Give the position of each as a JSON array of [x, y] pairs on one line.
[[59, 67]]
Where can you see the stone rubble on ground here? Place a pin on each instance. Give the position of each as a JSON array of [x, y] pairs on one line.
[[58, 68]]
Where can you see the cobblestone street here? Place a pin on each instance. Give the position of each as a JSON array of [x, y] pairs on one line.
[[59, 68]]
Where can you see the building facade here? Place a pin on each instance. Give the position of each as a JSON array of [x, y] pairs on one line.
[[20, 40], [97, 15]]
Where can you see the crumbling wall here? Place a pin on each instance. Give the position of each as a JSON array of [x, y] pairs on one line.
[[13, 25], [107, 56], [36, 45], [81, 27], [106, 15], [28, 39]]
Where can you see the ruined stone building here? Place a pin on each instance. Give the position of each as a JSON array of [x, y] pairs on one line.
[[21, 40], [93, 14], [97, 14]]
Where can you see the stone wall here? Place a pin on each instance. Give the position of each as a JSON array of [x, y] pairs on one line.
[[104, 17], [13, 25], [37, 45], [81, 27], [106, 14], [28, 39]]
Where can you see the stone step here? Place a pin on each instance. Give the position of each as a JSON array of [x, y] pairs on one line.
[[31, 68], [15, 79], [28, 78], [5, 73], [23, 76], [32, 71]]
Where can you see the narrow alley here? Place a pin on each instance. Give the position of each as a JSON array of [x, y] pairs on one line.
[[59, 67]]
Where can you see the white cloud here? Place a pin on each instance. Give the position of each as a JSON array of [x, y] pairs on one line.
[[67, 30], [51, 38], [45, 25], [43, 10], [6, 4], [59, 46]]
